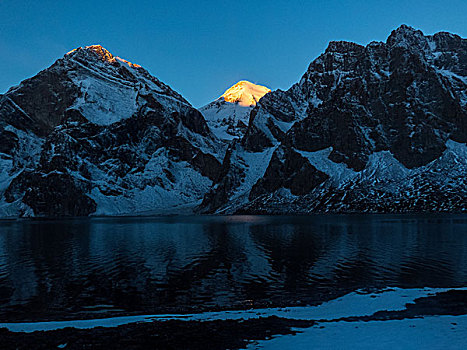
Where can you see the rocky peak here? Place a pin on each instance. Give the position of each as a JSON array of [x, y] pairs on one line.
[[63, 127], [104, 88], [384, 121], [96, 51], [448, 42], [100, 51], [404, 30], [406, 36], [344, 47], [93, 52], [245, 93]]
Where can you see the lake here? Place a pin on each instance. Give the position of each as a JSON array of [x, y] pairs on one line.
[[93, 267]]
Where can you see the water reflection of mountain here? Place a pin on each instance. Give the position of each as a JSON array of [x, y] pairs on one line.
[[148, 265]]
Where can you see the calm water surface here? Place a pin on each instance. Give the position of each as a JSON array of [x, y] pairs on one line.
[[96, 267]]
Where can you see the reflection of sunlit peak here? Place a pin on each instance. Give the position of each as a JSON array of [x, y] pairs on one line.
[[245, 93]]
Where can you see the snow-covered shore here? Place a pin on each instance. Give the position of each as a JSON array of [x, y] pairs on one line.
[[393, 318]]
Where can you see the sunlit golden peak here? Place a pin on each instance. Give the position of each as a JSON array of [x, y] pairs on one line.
[[98, 49], [245, 93], [105, 55]]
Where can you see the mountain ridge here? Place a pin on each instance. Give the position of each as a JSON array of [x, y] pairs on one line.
[[93, 134], [379, 128], [405, 97]]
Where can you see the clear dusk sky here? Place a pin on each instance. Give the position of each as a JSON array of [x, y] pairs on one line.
[[201, 48]]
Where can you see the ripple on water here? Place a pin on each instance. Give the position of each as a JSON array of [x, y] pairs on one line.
[[155, 265]]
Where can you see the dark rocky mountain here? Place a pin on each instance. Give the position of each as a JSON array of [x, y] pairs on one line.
[[95, 134], [376, 128], [379, 128]]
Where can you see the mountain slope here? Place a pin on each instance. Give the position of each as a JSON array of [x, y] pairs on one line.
[[381, 128], [228, 116], [95, 134], [375, 128]]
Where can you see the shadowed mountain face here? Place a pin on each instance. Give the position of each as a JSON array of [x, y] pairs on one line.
[[94, 133], [381, 128]]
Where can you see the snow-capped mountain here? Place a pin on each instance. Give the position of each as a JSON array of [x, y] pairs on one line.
[[380, 128], [95, 134], [228, 115]]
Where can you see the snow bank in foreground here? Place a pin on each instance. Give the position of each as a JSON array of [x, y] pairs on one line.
[[436, 332], [353, 304]]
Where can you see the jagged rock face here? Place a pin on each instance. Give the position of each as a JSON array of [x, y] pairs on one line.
[[95, 134], [51, 194], [384, 186], [398, 96], [83, 78], [376, 128], [228, 116], [290, 170], [401, 103]]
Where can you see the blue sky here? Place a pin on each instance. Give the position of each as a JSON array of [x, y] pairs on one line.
[[200, 48]]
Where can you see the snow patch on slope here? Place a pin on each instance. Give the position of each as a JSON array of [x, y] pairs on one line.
[[338, 172], [225, 119], [104, 103], [382, 166], [153, 190], [26, 155], [254, 165]]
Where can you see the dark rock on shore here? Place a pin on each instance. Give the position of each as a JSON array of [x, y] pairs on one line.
[[156, 335]]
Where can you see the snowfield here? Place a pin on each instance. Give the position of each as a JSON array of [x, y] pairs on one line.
[[331, 331], [437, 332]]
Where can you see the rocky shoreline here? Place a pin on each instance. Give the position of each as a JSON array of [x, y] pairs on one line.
[[221, 333]]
